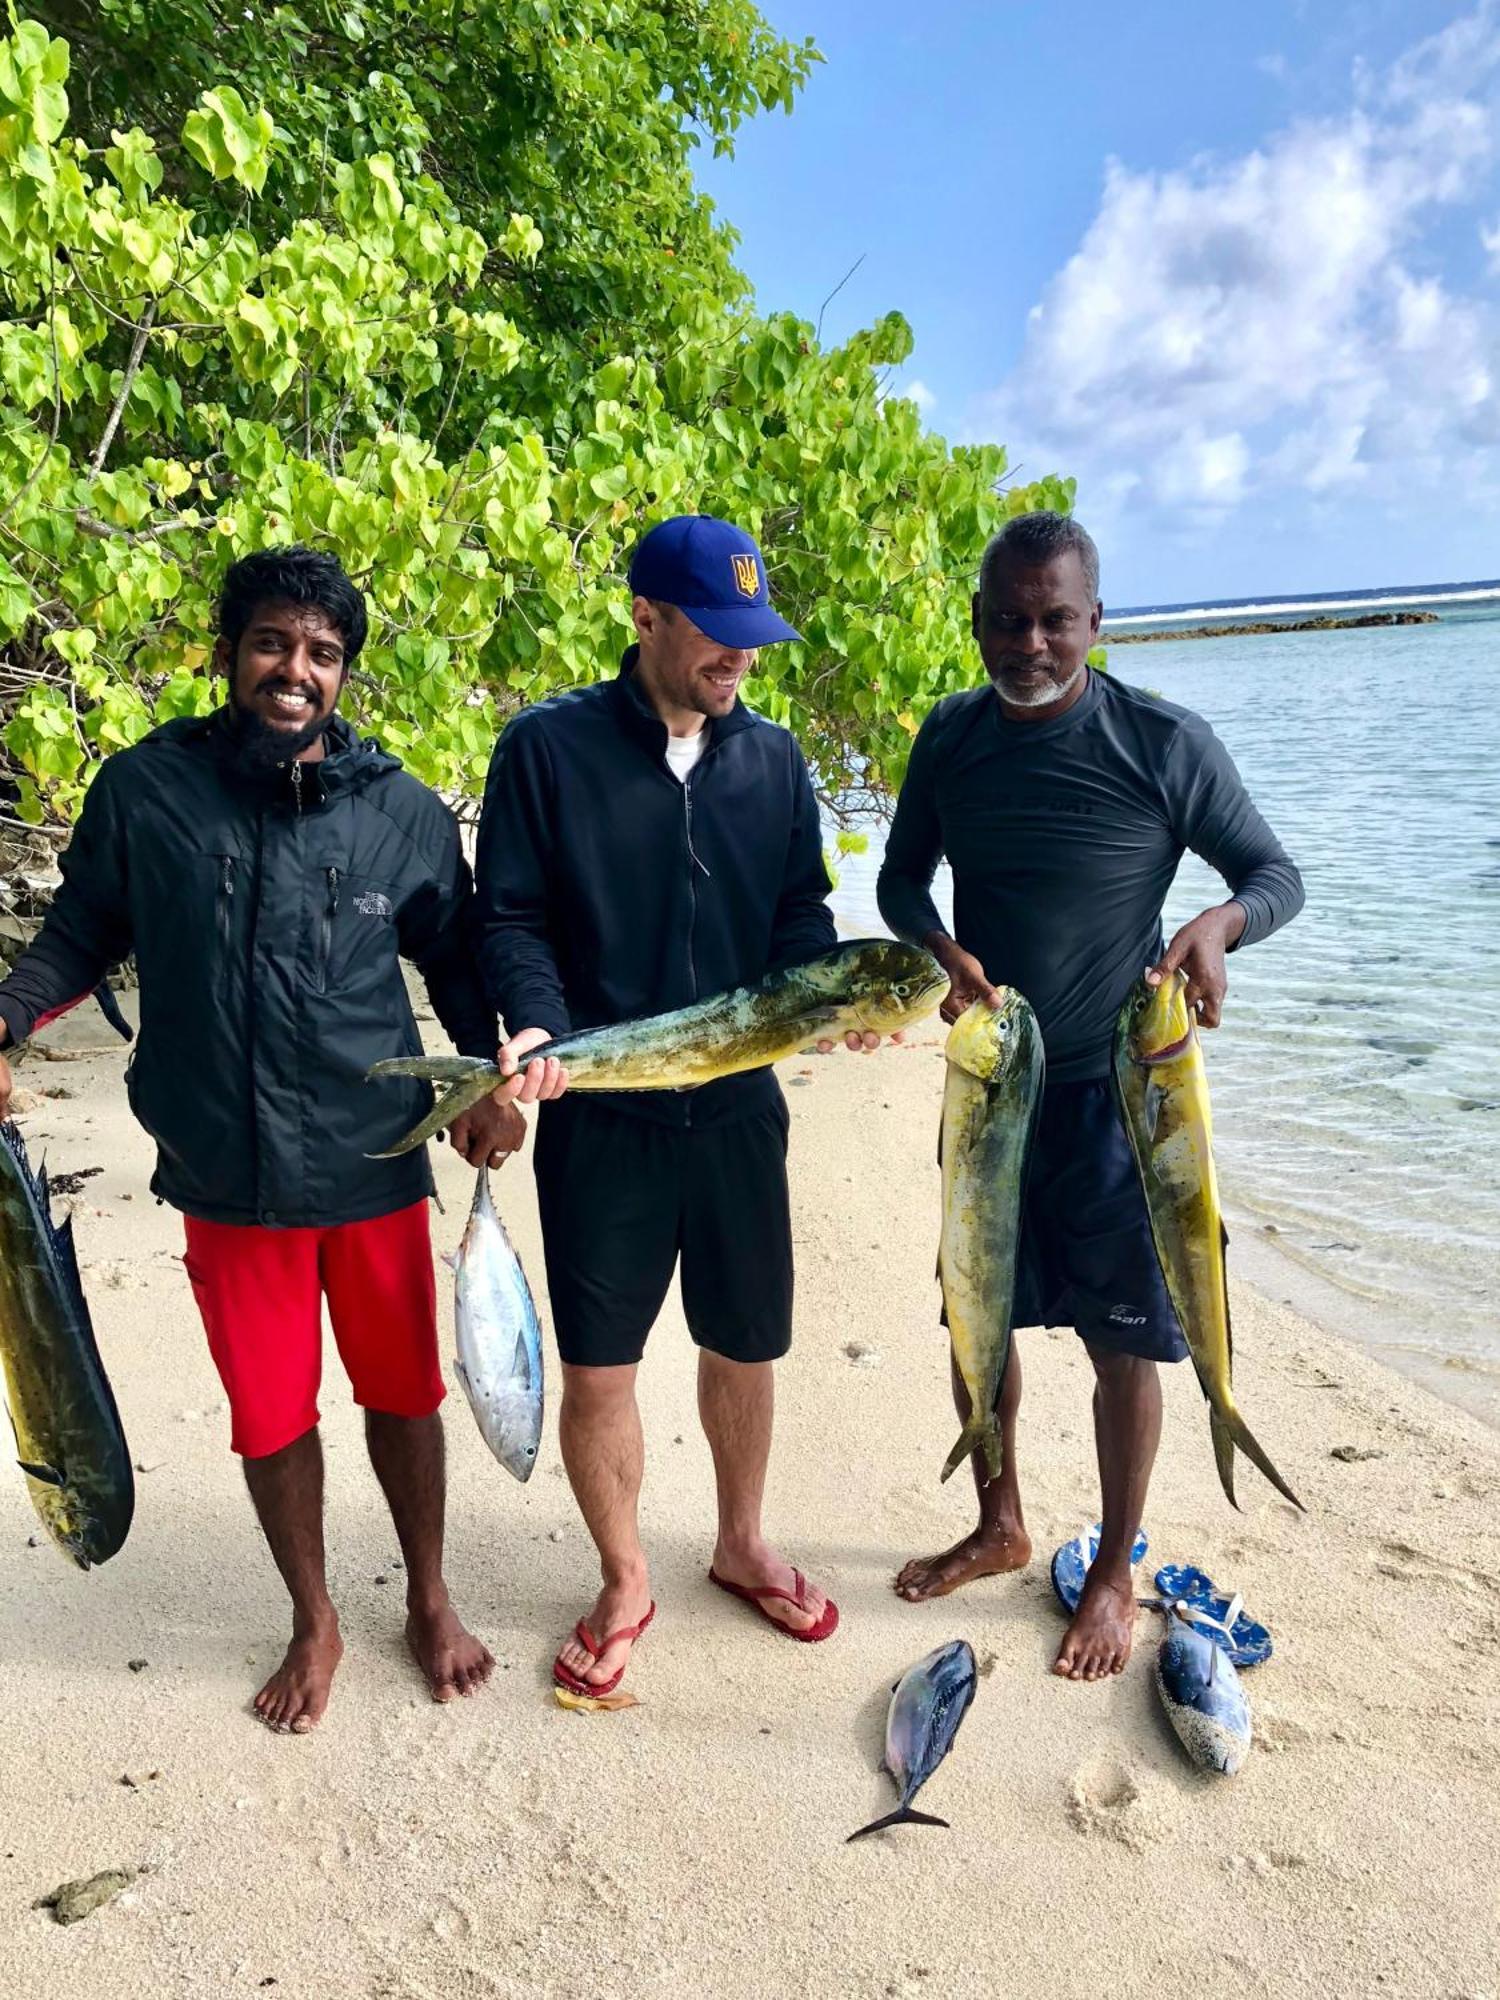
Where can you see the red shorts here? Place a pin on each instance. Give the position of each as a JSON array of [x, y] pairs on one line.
[[261, 1292]]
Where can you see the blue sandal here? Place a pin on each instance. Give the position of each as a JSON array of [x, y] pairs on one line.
[[1246, 1642], [1072, 1562]]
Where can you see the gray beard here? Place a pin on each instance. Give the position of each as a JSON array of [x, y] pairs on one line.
[[1041, 697]]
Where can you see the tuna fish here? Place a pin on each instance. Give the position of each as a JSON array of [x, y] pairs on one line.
[[499, 1358], [991, 1098], [68, 1437], [1162, 1088], [872, 984], [927, 1704], [1201, 1692]]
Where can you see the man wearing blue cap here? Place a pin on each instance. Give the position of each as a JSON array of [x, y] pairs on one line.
[[646, 843]]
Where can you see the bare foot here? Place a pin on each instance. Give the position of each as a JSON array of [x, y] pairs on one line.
[[451, 1658], [1098, 1642], [294, 1698], [760, 1568], [987, 1552], [617, 1607]]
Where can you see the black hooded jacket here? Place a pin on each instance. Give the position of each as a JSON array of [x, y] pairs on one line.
[[268, 912], [607, 890]]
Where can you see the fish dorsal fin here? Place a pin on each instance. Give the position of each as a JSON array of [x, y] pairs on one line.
[[45, 1475]]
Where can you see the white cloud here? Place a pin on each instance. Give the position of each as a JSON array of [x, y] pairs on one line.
[[918, 392], [1245, 328]]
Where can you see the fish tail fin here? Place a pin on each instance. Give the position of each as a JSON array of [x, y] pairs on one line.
[[109, 1007], [902, 1816], [455, 1100], [1223, 1441], [981, 1433], [1237, 1432]]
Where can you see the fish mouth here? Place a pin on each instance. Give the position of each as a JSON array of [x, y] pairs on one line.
[[1168, 1052]]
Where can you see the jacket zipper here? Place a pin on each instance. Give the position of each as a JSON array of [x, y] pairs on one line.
[[694, 864], [226, 920], [297, 786], [325, 929]]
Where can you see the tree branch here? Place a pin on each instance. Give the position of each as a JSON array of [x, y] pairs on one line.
[[132, 367]]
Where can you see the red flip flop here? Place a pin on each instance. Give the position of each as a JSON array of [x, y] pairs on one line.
[[826, 1626], [565, 1676]]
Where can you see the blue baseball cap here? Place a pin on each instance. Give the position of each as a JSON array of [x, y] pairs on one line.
[[713, 572]]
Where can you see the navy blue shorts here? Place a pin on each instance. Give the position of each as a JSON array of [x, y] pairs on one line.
[[1087, 1258]]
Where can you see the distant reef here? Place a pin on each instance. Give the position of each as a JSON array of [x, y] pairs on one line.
[[1109, 637]]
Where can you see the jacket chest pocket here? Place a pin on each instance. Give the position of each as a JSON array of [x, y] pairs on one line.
[[353, 927]]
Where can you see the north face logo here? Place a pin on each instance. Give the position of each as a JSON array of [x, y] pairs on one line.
[[373, 904]]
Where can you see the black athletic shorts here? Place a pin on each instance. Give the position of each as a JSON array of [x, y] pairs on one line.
[[1087, 1256], [623, 1197]]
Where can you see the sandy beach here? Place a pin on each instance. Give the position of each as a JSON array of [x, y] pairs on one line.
[[694, 1844]]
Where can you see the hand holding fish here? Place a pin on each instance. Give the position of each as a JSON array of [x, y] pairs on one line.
[[488, 1133], [1198, 951], [857, 1043], [529, 1083], [967, 979]]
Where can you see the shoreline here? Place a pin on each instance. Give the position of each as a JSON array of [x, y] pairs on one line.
[[1262, 627]]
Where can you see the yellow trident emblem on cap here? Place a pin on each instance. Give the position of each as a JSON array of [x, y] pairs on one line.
[[746, 575]]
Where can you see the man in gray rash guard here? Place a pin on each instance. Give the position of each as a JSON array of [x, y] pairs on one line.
[[1064, 801]]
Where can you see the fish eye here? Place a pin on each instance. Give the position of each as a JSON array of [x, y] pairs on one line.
[[531, 1451]]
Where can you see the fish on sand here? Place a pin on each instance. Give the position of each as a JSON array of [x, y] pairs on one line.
[[1162, 1088], [871, 984], [991, 1096], [499, 1336], [68, 1437], [1201, 1692], [927, 1704]]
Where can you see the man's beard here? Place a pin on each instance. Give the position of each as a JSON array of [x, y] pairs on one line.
[[1043, 694], [262, 746]]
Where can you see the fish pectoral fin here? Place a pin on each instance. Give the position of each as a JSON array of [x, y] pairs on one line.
[[48, 1475]]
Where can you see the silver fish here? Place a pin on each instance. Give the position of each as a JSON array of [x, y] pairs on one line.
[[1201, 1692], [499, 1358], [927, 1704]]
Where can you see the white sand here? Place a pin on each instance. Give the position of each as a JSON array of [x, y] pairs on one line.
[[694, 1845]]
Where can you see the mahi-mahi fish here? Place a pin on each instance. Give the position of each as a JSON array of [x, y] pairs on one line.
[[499, 1337], [991, 1097], [871, 984], [1162, 1087], [927, 1704], [68, 1437]]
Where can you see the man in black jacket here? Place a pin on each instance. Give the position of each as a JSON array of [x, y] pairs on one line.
[[270, 870], [646, 843]]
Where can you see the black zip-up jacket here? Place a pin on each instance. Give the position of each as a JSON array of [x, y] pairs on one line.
[[268, 913], [607, 889]]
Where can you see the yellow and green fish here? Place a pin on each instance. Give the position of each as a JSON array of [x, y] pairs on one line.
[[872, 984], [991, 1097], [67, 1429], [1162, 1087]]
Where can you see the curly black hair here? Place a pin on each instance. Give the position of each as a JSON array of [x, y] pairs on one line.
[[293, 575]]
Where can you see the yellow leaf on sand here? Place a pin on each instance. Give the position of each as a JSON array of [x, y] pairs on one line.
[[620, 1698]]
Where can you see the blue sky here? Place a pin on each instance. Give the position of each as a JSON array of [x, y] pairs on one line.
[[1236, 269]]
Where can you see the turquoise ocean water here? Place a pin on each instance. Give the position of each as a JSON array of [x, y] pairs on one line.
[[1356, 1079]]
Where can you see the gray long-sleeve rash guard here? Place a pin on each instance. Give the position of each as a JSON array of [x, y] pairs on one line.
[[1064, 837]]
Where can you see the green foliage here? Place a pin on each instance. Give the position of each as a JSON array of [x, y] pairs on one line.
[[429, 283]]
